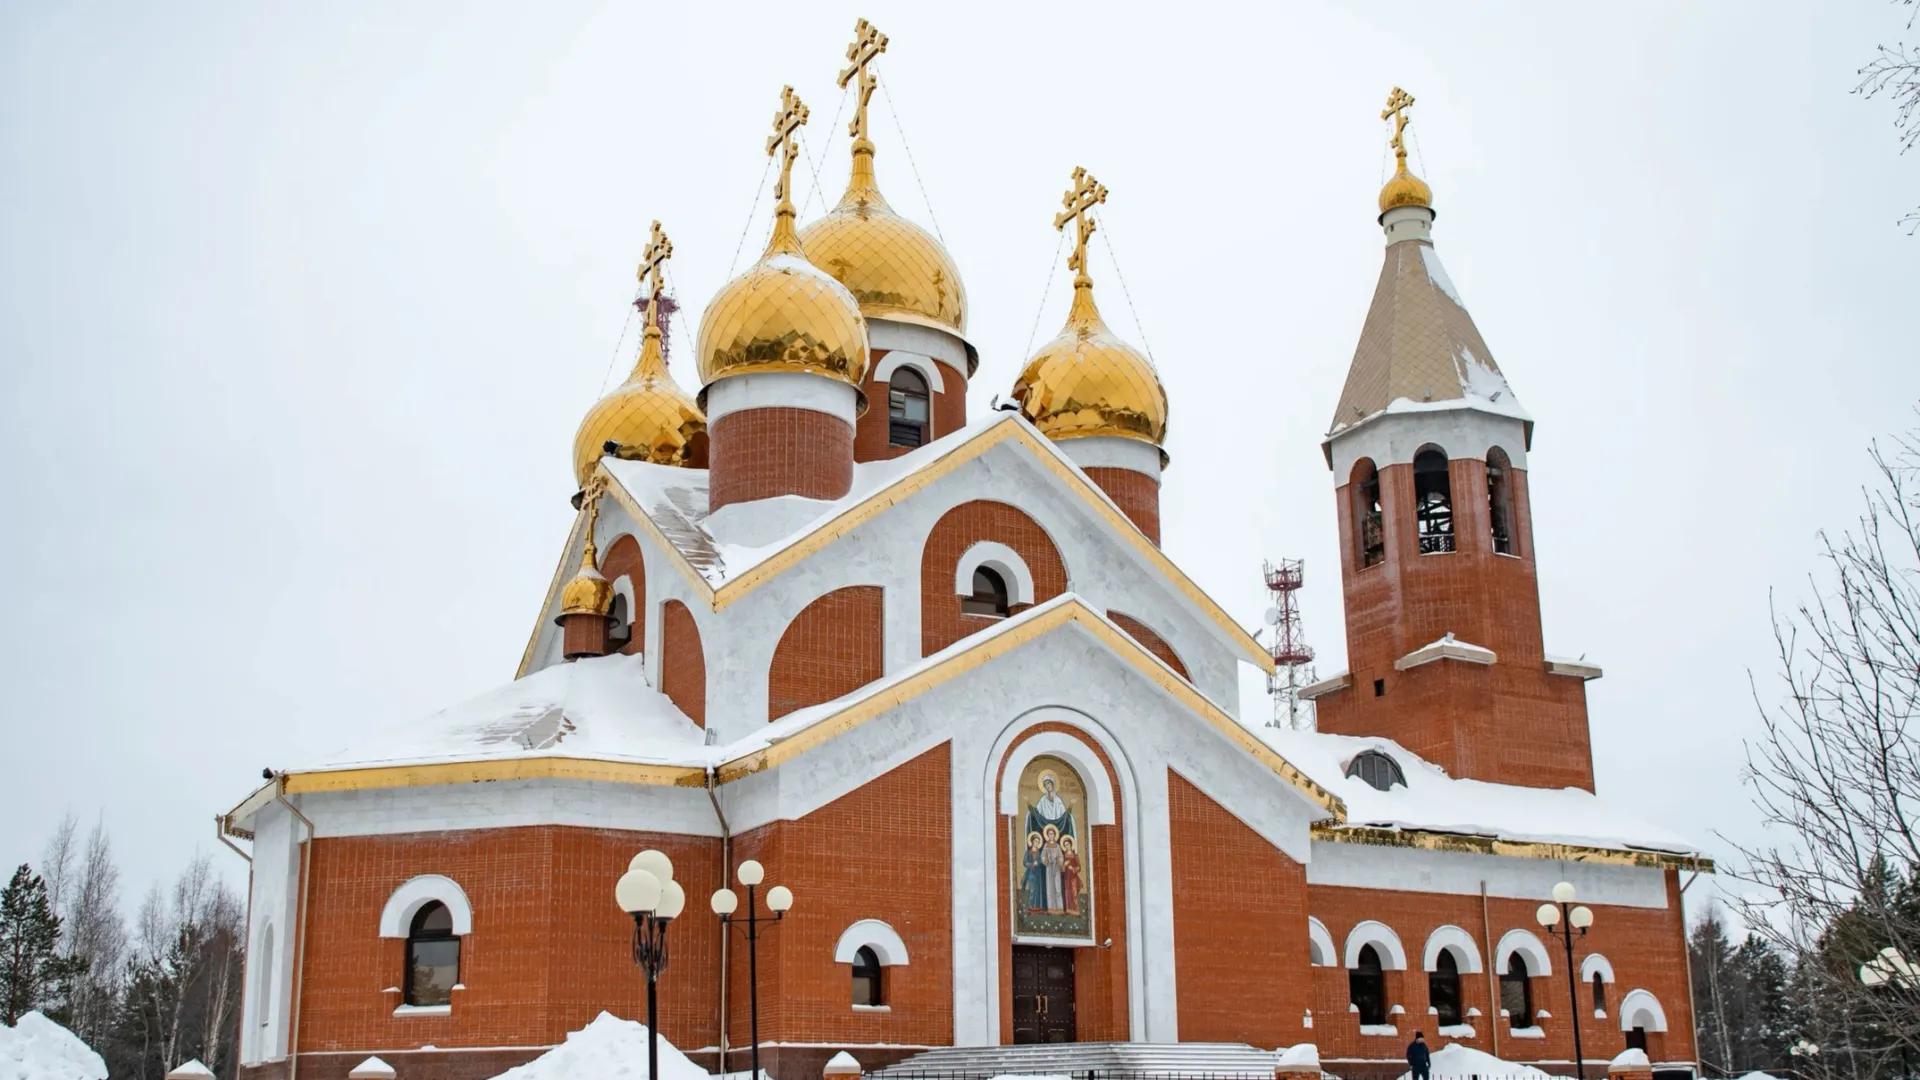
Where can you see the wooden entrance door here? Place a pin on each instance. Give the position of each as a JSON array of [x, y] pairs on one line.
[[1042, 994]]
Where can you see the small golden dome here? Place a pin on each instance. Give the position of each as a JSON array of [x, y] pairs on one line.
[[588, 592], [1405, 189], [783, 314], [1088, 382], [648, 415], [893, 267]]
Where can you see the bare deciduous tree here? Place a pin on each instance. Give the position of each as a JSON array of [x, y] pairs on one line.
[[1895, 71]]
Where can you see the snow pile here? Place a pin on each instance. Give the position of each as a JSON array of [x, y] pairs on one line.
[[192, 1070], [1635, 1058], [1457, 1062], [607, 1049], [841, 1064], [39, 1049], [1302, 1058]]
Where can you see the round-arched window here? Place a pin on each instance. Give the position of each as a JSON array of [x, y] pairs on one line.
[[908, 415], [1367, 987], [433, 957], [989, 594], [1378, 770], [866, 977]]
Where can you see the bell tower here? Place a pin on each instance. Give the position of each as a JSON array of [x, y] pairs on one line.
[[1428, 449]]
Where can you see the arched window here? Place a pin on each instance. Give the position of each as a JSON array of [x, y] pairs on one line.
[[1599, 993], [1433, 501], [1367, 987], [1443, 988], [1516, 992], [1378, 770], [1369, 535], [1500, 500], [907, 414], [866, 977], [619, 623], [433, 957], [989, 594], [1637, 1039]]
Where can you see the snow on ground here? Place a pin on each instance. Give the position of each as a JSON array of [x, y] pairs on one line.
[[1457, 1062], [609, 1048], [38, 1049]]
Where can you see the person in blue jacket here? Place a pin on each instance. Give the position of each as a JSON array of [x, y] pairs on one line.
[[1418, 1058]]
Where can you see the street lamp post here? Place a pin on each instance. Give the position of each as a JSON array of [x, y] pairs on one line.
[[1560, 919], [725, 903], [648, 892]]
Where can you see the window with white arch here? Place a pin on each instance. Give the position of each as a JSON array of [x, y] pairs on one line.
[[870, 946], [1450, 951], [1596, 971], [1640, 1012], [1320, 948], [991, 578], [432, 915]]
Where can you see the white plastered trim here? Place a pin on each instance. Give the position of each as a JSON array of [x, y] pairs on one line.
[[943, 345], [1595, 962], [1384, 941], [894, 361], [1070, 750], [1524, 943], [781, 389], [407, 900], [1640, 1009], [1109, 452], [1466, 955], [873, 934], [1001, 559], [1320, 948]]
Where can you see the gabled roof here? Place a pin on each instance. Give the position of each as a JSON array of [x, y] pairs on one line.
[[1419, 348], [724, 558]]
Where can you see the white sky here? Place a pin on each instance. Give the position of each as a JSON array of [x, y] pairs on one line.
[[299, 309]]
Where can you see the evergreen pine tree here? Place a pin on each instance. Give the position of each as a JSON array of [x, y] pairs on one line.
[[31, 969]]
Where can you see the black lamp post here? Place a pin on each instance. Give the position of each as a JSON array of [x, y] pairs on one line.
[[648, 892], [725, 903], [1560, 919]]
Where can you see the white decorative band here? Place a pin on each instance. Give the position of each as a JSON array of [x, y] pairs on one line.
[[884, 333], [781, 389], [900, 358], [1407, 223], [1108, 452]]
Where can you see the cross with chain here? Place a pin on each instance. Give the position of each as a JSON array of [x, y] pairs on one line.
[[1079, 201], [793, 113], [868, 43], [1398, 103], [658, 250]]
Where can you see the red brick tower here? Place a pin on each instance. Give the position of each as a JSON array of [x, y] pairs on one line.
[[1429, 451]]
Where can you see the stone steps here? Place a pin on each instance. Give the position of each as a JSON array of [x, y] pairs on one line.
[[1159, 1060]]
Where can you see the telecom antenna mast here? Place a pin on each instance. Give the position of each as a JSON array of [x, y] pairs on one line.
[[1292, 656]]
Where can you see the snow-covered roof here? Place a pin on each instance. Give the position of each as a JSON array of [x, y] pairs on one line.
[[1432, 801]]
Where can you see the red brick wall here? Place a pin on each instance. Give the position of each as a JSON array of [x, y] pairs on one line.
[[1137, 495], [947, 411], [941, 621], [1239, 926], [1644, 946], [1099, 973], [1510, 722], [548, 951], [683, 663], [623, 557], [1154, 643], [833, 647], [882, 852], [760, 453]]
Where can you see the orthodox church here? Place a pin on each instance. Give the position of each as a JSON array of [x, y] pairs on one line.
[[931, 672]]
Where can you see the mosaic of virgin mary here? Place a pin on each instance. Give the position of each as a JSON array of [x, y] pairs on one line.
[[1052, 850]]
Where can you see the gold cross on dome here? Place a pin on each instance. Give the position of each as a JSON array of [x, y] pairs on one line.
[[1398, 103], [868, 43], [793, 113], [658, 250], [1079, 202]]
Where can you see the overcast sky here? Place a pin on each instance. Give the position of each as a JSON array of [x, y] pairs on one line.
[[300, 307]]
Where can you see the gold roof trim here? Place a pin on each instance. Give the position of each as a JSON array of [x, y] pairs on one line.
[[1482, 844], [463, 772]]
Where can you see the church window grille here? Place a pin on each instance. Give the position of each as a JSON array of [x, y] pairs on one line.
[[1368, 528], [1433, 501], [989, 594], [1500, 501], [1379, 771], [1443, 988], [1516, 992], [1367, 987], [619, 622], [866, 978], [433, 957], [1599, 993], [907, 410]]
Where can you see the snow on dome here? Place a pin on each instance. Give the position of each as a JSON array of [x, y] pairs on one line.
[[609, 1048], [38, 1049], [1432, 800], [1456, 1062], [195, 1070], [1301, 1058]]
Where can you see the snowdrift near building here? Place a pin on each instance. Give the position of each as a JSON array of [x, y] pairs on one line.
[[609, 1048], [38, 1049]]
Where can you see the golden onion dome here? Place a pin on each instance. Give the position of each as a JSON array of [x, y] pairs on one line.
[[893, 267], [1405, 189], [1089, 382], [588, 592], [648, 415], [783, 314]]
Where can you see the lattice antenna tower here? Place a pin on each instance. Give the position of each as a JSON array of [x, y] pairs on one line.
[[1292, 656]]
